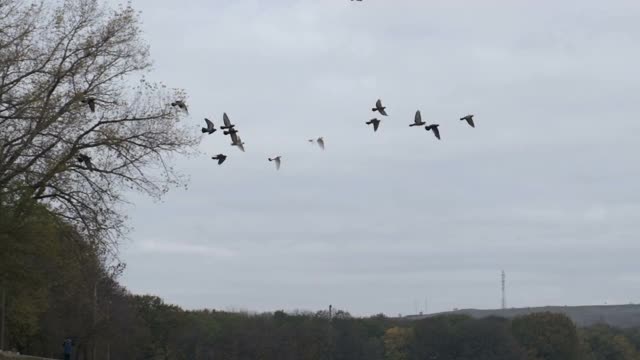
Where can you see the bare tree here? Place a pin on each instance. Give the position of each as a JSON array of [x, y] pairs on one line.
[[77, 128]]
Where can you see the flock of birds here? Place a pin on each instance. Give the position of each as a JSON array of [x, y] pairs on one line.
[[232, 132], [230, 129]]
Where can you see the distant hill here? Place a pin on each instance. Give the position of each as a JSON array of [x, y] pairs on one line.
[[623, 316]]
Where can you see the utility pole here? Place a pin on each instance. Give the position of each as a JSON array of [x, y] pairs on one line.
[[3, 304], [504, 299]]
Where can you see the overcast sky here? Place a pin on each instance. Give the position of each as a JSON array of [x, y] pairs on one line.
[[545, 187]]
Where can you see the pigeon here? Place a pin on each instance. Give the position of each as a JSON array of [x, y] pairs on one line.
[[230, 128], [434, 128], [82, 158], [469, 120], [375, 123], [417, 121], [91, 101], [379, 108], [236, 141], [220, 157], [319, 140], [209, 129], [277, 160], [180, 104]]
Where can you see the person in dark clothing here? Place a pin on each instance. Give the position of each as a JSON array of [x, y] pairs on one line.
[[68, 346]]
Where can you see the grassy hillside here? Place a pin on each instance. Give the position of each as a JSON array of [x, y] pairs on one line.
[[623, 316]]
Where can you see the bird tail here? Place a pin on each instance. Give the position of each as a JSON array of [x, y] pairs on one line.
[[413, 125], [270, 159], [369, 122]]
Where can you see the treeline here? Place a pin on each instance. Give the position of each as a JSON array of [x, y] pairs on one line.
[[58, 284]]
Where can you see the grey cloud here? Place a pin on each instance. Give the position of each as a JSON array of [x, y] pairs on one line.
[[545, 186]]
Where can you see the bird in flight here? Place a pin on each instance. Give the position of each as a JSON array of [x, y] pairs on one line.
[[91, 101], [236, 141], [375, 122], [220, 157], [228, 127], [210, 129], [434, 128], [469, 120], [319, 141], [417, 121], [379, 108], [82, 158], [180, 104], [277, 160]]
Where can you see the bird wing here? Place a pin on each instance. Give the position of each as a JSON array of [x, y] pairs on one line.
[[92, 105], [221, 159], [375, 125], [378, 104], [321, 143], [436, 132], [234, 138], [240, 144], [209, 124], [470, 121], [277, 160], [418, 118], [226, 120], [383, 111]]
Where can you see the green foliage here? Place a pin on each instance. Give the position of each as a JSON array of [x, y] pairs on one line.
[[547, 336], [397, 342], [461, 337], [606, 343]]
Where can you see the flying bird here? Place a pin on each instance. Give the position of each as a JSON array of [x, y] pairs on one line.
[[375, 123], [379, 108], [228, 126], [210, 129], [220, 157], [180, 104], [469, 120], [277, 160], [319, 141], [236, 141], [434, 128], [91, 101], [417, 121], [82, 158]]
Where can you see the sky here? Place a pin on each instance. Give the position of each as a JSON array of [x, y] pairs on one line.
[[545, 187]]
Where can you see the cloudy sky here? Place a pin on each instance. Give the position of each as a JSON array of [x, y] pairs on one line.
[[545, 187]]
